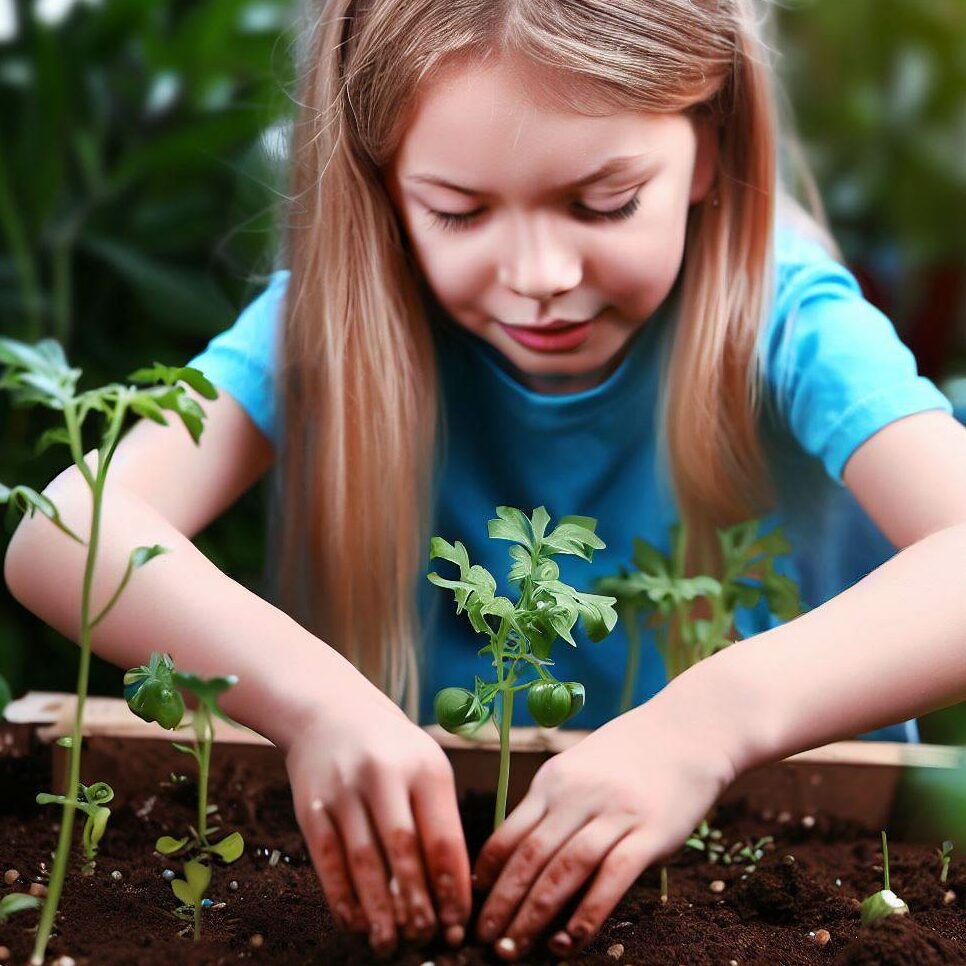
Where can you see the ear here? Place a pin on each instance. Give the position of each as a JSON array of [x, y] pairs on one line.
[[705, 158]]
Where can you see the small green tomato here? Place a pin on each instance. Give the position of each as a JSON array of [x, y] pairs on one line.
[[551, 703], [458, 711]]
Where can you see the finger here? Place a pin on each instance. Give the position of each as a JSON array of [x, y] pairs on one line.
[[444, 851], [624, 863], [500, 845], [522, 869], [562, 876], [368, 871], [328, 857], [389, 805]]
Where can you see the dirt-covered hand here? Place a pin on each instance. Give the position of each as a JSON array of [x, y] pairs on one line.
[[369, 784], [627, 795]]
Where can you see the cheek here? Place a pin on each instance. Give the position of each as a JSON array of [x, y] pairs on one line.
[[455, 267]]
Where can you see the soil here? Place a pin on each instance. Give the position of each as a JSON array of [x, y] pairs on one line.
[[277, 913]]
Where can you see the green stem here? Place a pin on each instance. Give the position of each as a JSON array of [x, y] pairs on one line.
[[204, 763], [628, 615], [65, 838], [663, 883], [885, 859], [506, 714]]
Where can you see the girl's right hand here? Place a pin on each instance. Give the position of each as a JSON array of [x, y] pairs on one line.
[[376, 801]]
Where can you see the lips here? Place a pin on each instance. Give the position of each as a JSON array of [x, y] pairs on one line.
[[555, 337]]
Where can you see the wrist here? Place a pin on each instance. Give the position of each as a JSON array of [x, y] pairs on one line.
[[718, 704]]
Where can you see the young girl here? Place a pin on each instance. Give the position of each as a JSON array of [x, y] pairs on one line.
[[538, 252]]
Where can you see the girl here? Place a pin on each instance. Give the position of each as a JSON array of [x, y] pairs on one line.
[[538, 251]]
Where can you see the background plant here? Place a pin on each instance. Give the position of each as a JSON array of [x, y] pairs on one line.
[[526, 630], [694, 616], [39, 375], [154, 694]]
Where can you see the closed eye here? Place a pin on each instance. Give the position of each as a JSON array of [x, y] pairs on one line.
[[460, 222]]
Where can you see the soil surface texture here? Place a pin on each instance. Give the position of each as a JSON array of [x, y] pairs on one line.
[[269, 906]]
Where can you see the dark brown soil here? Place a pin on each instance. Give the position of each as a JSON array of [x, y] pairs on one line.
[[764, 917]]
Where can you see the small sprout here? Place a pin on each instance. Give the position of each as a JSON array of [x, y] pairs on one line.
[[945, 856], [15, 902], [154, 693], [664, 894], [885, 902], [273, 861]]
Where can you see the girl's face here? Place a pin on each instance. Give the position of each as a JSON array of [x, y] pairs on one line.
[[524, 240]]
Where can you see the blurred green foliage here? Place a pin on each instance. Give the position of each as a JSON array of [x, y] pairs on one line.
[[142, 149], [139, 174]]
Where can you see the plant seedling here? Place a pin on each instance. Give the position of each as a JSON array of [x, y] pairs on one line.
[[884, 902], [546, 609], [945, 857], [664, 889], [154, 694], [657, 589], [15, 902], [92, 801], [39, 374]]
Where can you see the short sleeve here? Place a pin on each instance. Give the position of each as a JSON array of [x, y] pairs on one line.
[[834, 364], [242, 359]]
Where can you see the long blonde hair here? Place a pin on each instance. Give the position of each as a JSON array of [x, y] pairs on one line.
[[357, 369]]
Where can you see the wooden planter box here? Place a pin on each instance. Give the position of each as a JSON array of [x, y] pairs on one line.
[[913, 790]]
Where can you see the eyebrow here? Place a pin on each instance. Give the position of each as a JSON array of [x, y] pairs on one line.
[[605, 170]]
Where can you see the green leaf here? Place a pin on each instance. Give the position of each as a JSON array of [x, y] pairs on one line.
[[539, 521], [94, 829], [229, 848], [52, 437], [15, 902], [184, 749], [45, 798], [29, 501], [167, 845], [574, 538], [511, 524], [198, 875]]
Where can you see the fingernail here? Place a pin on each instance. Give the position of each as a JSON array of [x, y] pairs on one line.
[[506, 946], [561, 943], [455, 935]]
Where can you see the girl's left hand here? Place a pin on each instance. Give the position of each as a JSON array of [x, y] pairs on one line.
[[627, 795]]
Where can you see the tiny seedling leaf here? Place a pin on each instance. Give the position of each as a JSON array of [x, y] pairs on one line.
[[16, 902], [167, 845], [229, 848]]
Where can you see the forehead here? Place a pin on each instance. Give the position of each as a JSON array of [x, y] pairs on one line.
[[472, 121]]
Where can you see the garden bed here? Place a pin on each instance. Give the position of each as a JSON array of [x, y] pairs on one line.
[[824, 809]]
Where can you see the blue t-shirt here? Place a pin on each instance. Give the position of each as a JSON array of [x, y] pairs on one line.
[[833, 363]]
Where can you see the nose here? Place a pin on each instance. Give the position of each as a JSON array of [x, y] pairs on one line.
[[538, 265]]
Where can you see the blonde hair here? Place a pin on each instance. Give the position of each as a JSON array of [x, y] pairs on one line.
[[357, 369]]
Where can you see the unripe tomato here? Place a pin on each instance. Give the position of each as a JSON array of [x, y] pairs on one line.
[[457, 711]]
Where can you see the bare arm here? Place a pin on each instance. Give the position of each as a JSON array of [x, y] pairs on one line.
[[373, 793], [178, 602]]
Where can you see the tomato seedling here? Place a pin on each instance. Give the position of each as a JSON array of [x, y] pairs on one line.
[[546, 609], [154, 693], [39, 374]]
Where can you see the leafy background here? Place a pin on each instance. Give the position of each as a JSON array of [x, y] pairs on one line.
[[142, 149]]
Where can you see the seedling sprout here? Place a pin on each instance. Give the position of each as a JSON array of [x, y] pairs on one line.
[[39, 374], [154, 694], [545, 610], [945, 857], [884, 902]]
